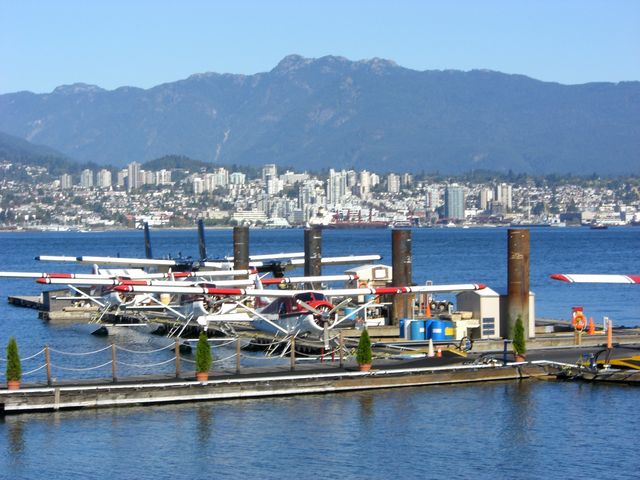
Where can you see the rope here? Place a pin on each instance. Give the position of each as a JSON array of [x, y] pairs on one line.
[[187, 360], [80, 353], [35, 369], [144, 351], [82, 369], [225, 344], [223, 359], [26, 358], [33, 356], [146, 365], [267, 344]]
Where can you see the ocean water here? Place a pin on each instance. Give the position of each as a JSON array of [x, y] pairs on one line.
[[530, 429]]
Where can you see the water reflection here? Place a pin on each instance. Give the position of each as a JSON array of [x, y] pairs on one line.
[[15, 439], [204, 425]]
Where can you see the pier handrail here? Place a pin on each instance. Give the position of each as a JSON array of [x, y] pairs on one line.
[[79, 354], [145, 351], [71, 369], [147, 365]]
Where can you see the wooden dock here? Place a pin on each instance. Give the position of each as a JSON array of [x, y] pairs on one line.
[[249, 385]]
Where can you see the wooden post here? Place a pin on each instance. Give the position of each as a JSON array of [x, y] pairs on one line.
[[238, 356], [610, 335], [114, 371], [293, 353], [341, 347], [177, 358], [47, 359]]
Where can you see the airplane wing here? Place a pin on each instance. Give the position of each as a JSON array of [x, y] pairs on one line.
[[141, 283], [308, 279], [595, 278], [339, 292]]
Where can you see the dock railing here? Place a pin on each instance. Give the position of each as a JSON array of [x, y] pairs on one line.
[[116, 363]]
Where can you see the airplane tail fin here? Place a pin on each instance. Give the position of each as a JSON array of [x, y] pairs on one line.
[[202, 246], [147, 241]]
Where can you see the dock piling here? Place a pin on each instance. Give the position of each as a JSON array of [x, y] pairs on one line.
[[402, 275], [114, 371], [177, 349], [241, 249], [312, 251], [518, 281], [47, 359]]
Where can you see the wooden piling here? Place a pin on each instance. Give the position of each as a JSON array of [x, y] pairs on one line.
[[238, 355], [47, 359], [402, 275], [293, 353], [518, 281], [240, 249], [177, 349], [313, 251], [114, 371]]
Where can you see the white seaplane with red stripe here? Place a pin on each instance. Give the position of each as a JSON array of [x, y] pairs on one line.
[[595, 278], [311, 313]]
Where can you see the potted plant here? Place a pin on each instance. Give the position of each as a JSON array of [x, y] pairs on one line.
[[203, 358], [519, 344], [14, 369], [363, 355]]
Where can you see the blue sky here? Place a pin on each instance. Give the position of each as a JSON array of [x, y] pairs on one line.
[[143, 43]]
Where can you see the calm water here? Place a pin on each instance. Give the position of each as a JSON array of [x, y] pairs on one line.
[[504, 430]]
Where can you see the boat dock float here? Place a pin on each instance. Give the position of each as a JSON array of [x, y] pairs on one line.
[[313, 380]]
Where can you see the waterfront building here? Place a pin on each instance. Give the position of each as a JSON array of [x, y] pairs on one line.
[[104, 178], [274, 185], [237, 178], [121, 177], [66, 181], [406, 180], [133, 176], [454, 203], [336, 186], [269, 169], [393, 183], [364, 184], [163, 177], [198, 186], [486, 196], [86, 178], [504, 195]]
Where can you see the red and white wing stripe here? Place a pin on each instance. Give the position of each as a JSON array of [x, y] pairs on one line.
[[595, 278], [340, 292]]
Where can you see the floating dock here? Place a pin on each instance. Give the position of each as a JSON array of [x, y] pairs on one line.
[[311, 380]]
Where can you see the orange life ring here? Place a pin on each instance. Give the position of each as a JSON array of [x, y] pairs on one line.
[[579, 321], [363, 284]]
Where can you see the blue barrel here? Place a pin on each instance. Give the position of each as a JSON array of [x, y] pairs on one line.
[[401, 334], [427, 328], [417, 330], [442, 330]]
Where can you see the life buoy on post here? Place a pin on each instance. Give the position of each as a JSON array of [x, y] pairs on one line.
[[579, 321]]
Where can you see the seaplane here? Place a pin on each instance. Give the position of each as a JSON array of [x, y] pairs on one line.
[[627, 362], [595, 278], [309, 313], [276, 263]]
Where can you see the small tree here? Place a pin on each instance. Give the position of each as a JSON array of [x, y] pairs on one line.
[[363, 355], [203, 354], [519, 345], [14, 369]]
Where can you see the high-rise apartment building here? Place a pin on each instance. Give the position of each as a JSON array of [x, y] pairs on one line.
[[454, 204]]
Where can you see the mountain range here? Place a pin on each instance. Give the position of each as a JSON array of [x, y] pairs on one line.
[[333, 112]]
